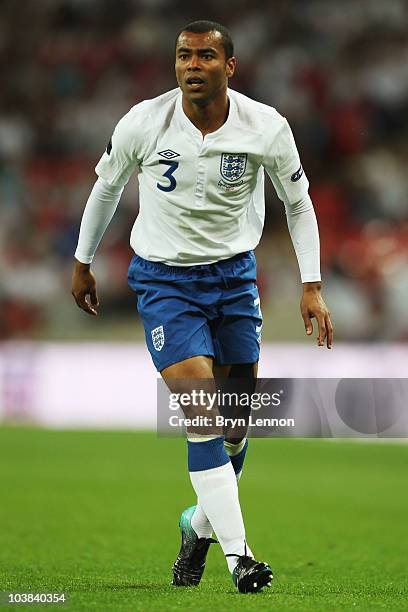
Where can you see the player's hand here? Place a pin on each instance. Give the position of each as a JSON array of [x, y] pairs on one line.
[[312, 306], [84, 288]]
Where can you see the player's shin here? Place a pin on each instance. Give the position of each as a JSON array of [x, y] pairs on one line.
[[214, 481], [236, 453]]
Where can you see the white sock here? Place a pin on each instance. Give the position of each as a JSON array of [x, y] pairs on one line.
[[200, 523], [217, 491]]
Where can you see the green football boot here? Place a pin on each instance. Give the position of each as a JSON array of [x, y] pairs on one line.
[[190, 563]]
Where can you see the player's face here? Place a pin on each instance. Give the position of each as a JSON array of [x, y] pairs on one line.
[[202, 70]]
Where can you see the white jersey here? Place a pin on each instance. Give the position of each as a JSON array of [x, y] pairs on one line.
[[202, 199]]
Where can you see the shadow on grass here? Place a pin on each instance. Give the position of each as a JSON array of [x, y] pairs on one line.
[[169, 589], [151, 586], [159, 587]]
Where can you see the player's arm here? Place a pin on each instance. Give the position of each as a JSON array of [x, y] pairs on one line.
[[114, 169], [284, 167], [99, 210], [304, 233]]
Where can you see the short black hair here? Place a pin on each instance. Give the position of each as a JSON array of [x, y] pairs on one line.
[[202, 26]]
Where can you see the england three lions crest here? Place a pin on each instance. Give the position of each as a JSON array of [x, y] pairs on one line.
[[158, 337], [233, 166]]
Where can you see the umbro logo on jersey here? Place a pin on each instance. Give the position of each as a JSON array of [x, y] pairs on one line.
[[169, 154], [296, 175], [158, 337], [233, 166]]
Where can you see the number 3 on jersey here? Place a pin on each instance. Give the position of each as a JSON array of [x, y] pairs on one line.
[[172, 167]]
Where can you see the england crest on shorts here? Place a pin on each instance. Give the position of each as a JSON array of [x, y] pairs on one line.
[[233, 166], [158, 337]]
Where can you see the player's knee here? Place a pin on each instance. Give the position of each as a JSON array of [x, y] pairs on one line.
[[243, 377], [243, 370], [194, 368], [234, 440]]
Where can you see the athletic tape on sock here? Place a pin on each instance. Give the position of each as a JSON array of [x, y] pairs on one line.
[[234, 449], [238, 459]]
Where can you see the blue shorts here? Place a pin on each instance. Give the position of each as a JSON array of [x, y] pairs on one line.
[[210, 309]]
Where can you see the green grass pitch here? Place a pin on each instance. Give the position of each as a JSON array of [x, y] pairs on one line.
[[94, 514]]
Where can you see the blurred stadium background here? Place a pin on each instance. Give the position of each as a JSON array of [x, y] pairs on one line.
[[70, 69], [79, 508]]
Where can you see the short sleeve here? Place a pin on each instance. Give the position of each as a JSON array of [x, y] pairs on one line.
[[283, 165], [123, 152]]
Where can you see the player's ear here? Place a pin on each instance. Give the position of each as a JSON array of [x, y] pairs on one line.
[[230, 67]]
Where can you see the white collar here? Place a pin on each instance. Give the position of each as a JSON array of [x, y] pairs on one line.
[[189, 126]]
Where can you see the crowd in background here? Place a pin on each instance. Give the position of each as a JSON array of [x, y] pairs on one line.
[[69, 69]]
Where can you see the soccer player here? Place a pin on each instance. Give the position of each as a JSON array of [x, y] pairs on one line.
[[201, 151]]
